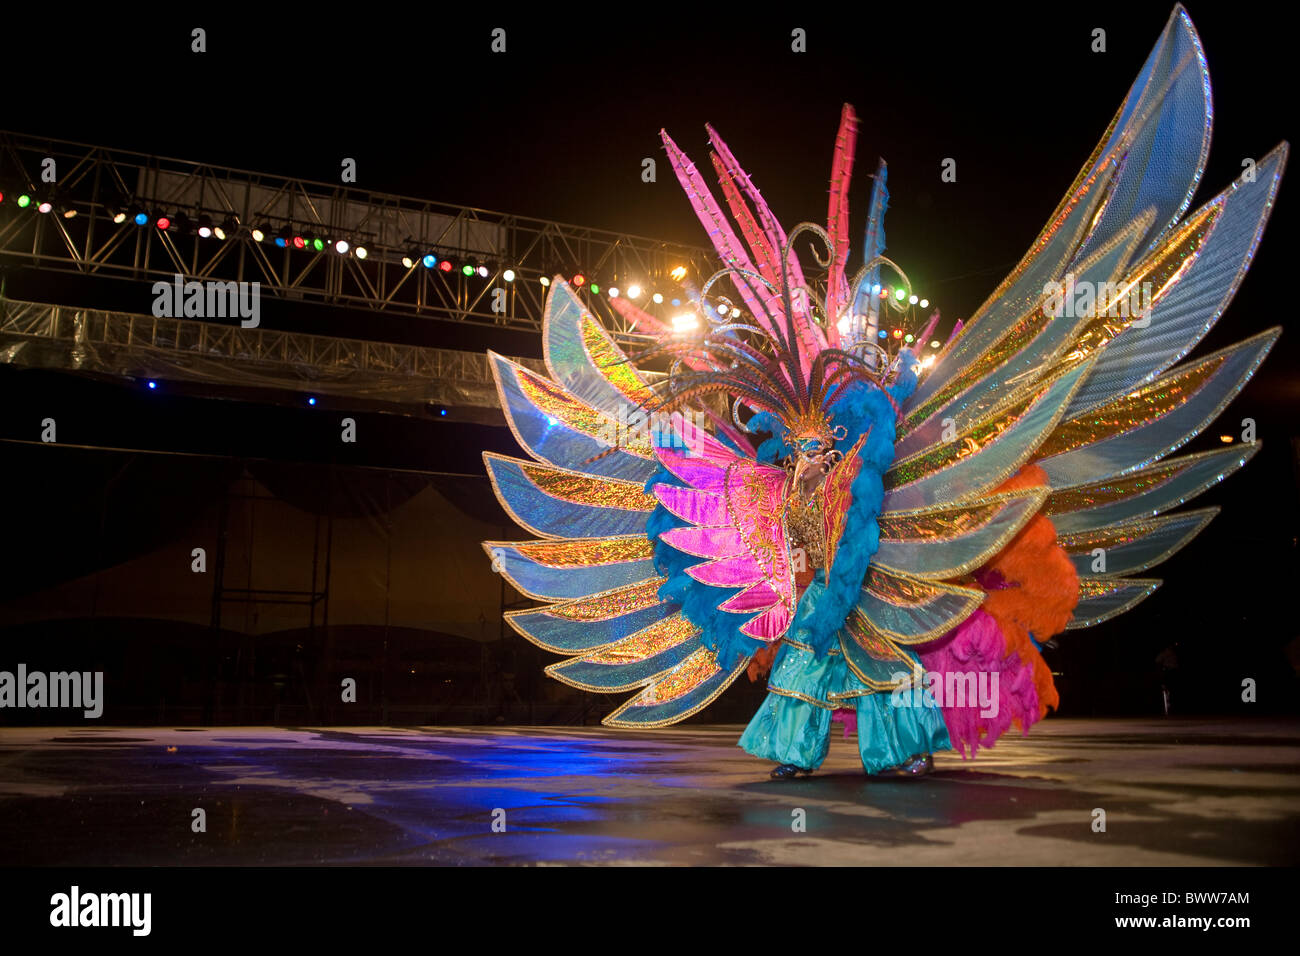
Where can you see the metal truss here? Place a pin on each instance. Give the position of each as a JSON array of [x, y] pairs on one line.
[[142, 346], [93, 182]]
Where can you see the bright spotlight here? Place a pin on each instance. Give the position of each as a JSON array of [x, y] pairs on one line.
[[686, 322], [342, 247], [912, 300], [678, 273], [613, 292], [508, 275], [925, 303], [634, 292], [657, 298], [545, 281]]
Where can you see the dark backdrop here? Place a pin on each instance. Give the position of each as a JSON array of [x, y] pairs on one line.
[[557, 128]]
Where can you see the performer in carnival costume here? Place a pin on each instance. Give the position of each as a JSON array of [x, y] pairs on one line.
[[909, 533]]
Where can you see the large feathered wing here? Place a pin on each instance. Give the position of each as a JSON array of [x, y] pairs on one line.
[[1094, 396], [584, 495]]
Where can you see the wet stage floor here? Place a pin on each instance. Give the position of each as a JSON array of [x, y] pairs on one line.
[[1179, 792]]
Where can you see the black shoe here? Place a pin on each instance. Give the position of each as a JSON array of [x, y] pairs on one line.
[[788, 771], [918, 765]]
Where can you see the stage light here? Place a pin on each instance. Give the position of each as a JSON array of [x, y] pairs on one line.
[[722, 310], [677, 302], [153, 384], [508, 275], [634, 292], [686, 322], [205, 227], [227, 227], [24, 201], [163, 223], [442, 412], [595, 289], [925, 303], [299, 242], [119, 217], [579, 279], [657, 298], [45, 206], [900, 294], [678, 273], [908, 338], [912, 300], [1226, 439], [467, 269], [445, 265], [360, 252], [883, 334], [311, 400], [342, 247], [875, 289], [69, 214], [258, 235], [613, 292], [935, 344], [545, 281], [482, 272], [282, 237], [318, 244], [898, 333]]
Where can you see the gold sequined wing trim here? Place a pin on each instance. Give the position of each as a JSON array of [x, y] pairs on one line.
[[683, 692], [909, 610], [1173, 532], [559, 487], [554, 401], [1101, 599], [633, 662], [611, 362], [947, 541]]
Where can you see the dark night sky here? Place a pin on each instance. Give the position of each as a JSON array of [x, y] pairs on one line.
[[557, 127]]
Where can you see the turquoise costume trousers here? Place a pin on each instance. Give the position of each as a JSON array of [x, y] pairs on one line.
[[793, 724]]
